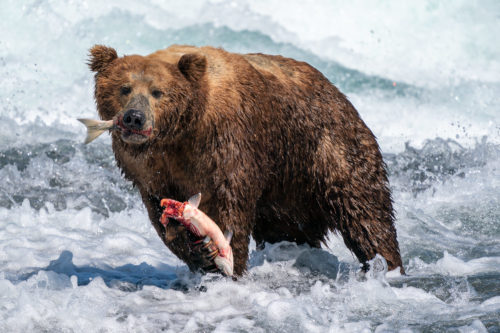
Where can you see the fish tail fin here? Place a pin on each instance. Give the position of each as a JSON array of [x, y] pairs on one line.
[[94, 129]]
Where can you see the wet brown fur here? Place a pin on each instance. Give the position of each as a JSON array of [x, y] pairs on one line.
[[276, 150]]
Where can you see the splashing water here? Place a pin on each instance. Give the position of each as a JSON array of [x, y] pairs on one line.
[[78, 253]]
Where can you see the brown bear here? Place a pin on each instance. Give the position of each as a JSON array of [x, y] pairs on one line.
[[277, 151]]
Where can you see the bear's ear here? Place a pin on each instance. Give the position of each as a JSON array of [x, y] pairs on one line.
[[100, 57], [192, 66]]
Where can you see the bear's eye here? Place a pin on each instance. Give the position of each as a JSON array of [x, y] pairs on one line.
[[125, 90], [156, 93]]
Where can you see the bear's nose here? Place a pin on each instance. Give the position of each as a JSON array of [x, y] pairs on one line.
[[134, 119]]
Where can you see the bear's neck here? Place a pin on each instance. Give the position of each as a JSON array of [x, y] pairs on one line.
[[158, 168]]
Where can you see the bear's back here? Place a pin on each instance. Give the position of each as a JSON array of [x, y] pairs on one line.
[[220, 64], [226, 69]]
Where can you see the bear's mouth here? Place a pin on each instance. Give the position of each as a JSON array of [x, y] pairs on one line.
[[133, 135]]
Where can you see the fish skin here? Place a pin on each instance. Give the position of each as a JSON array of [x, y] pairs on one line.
[[201, 225]]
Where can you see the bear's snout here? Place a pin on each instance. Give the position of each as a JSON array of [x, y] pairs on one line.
[[134, 119]]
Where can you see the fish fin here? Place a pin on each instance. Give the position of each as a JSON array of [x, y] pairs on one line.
[[93, 130], [195, 200], [92, 135], [228, 235], [225, 265]]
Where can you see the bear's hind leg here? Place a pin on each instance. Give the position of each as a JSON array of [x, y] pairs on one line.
[[366, 227], [351, 188]]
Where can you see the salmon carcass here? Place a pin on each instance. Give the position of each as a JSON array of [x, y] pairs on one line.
[[188, 214]]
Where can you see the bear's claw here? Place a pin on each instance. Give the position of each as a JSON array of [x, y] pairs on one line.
[[205, 253]]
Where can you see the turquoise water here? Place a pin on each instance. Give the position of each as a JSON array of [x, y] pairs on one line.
[[77, 252]]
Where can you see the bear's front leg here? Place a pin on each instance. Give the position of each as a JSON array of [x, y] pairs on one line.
[[190, 248]]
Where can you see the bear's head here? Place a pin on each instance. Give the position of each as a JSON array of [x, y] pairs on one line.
[[149, 99]]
